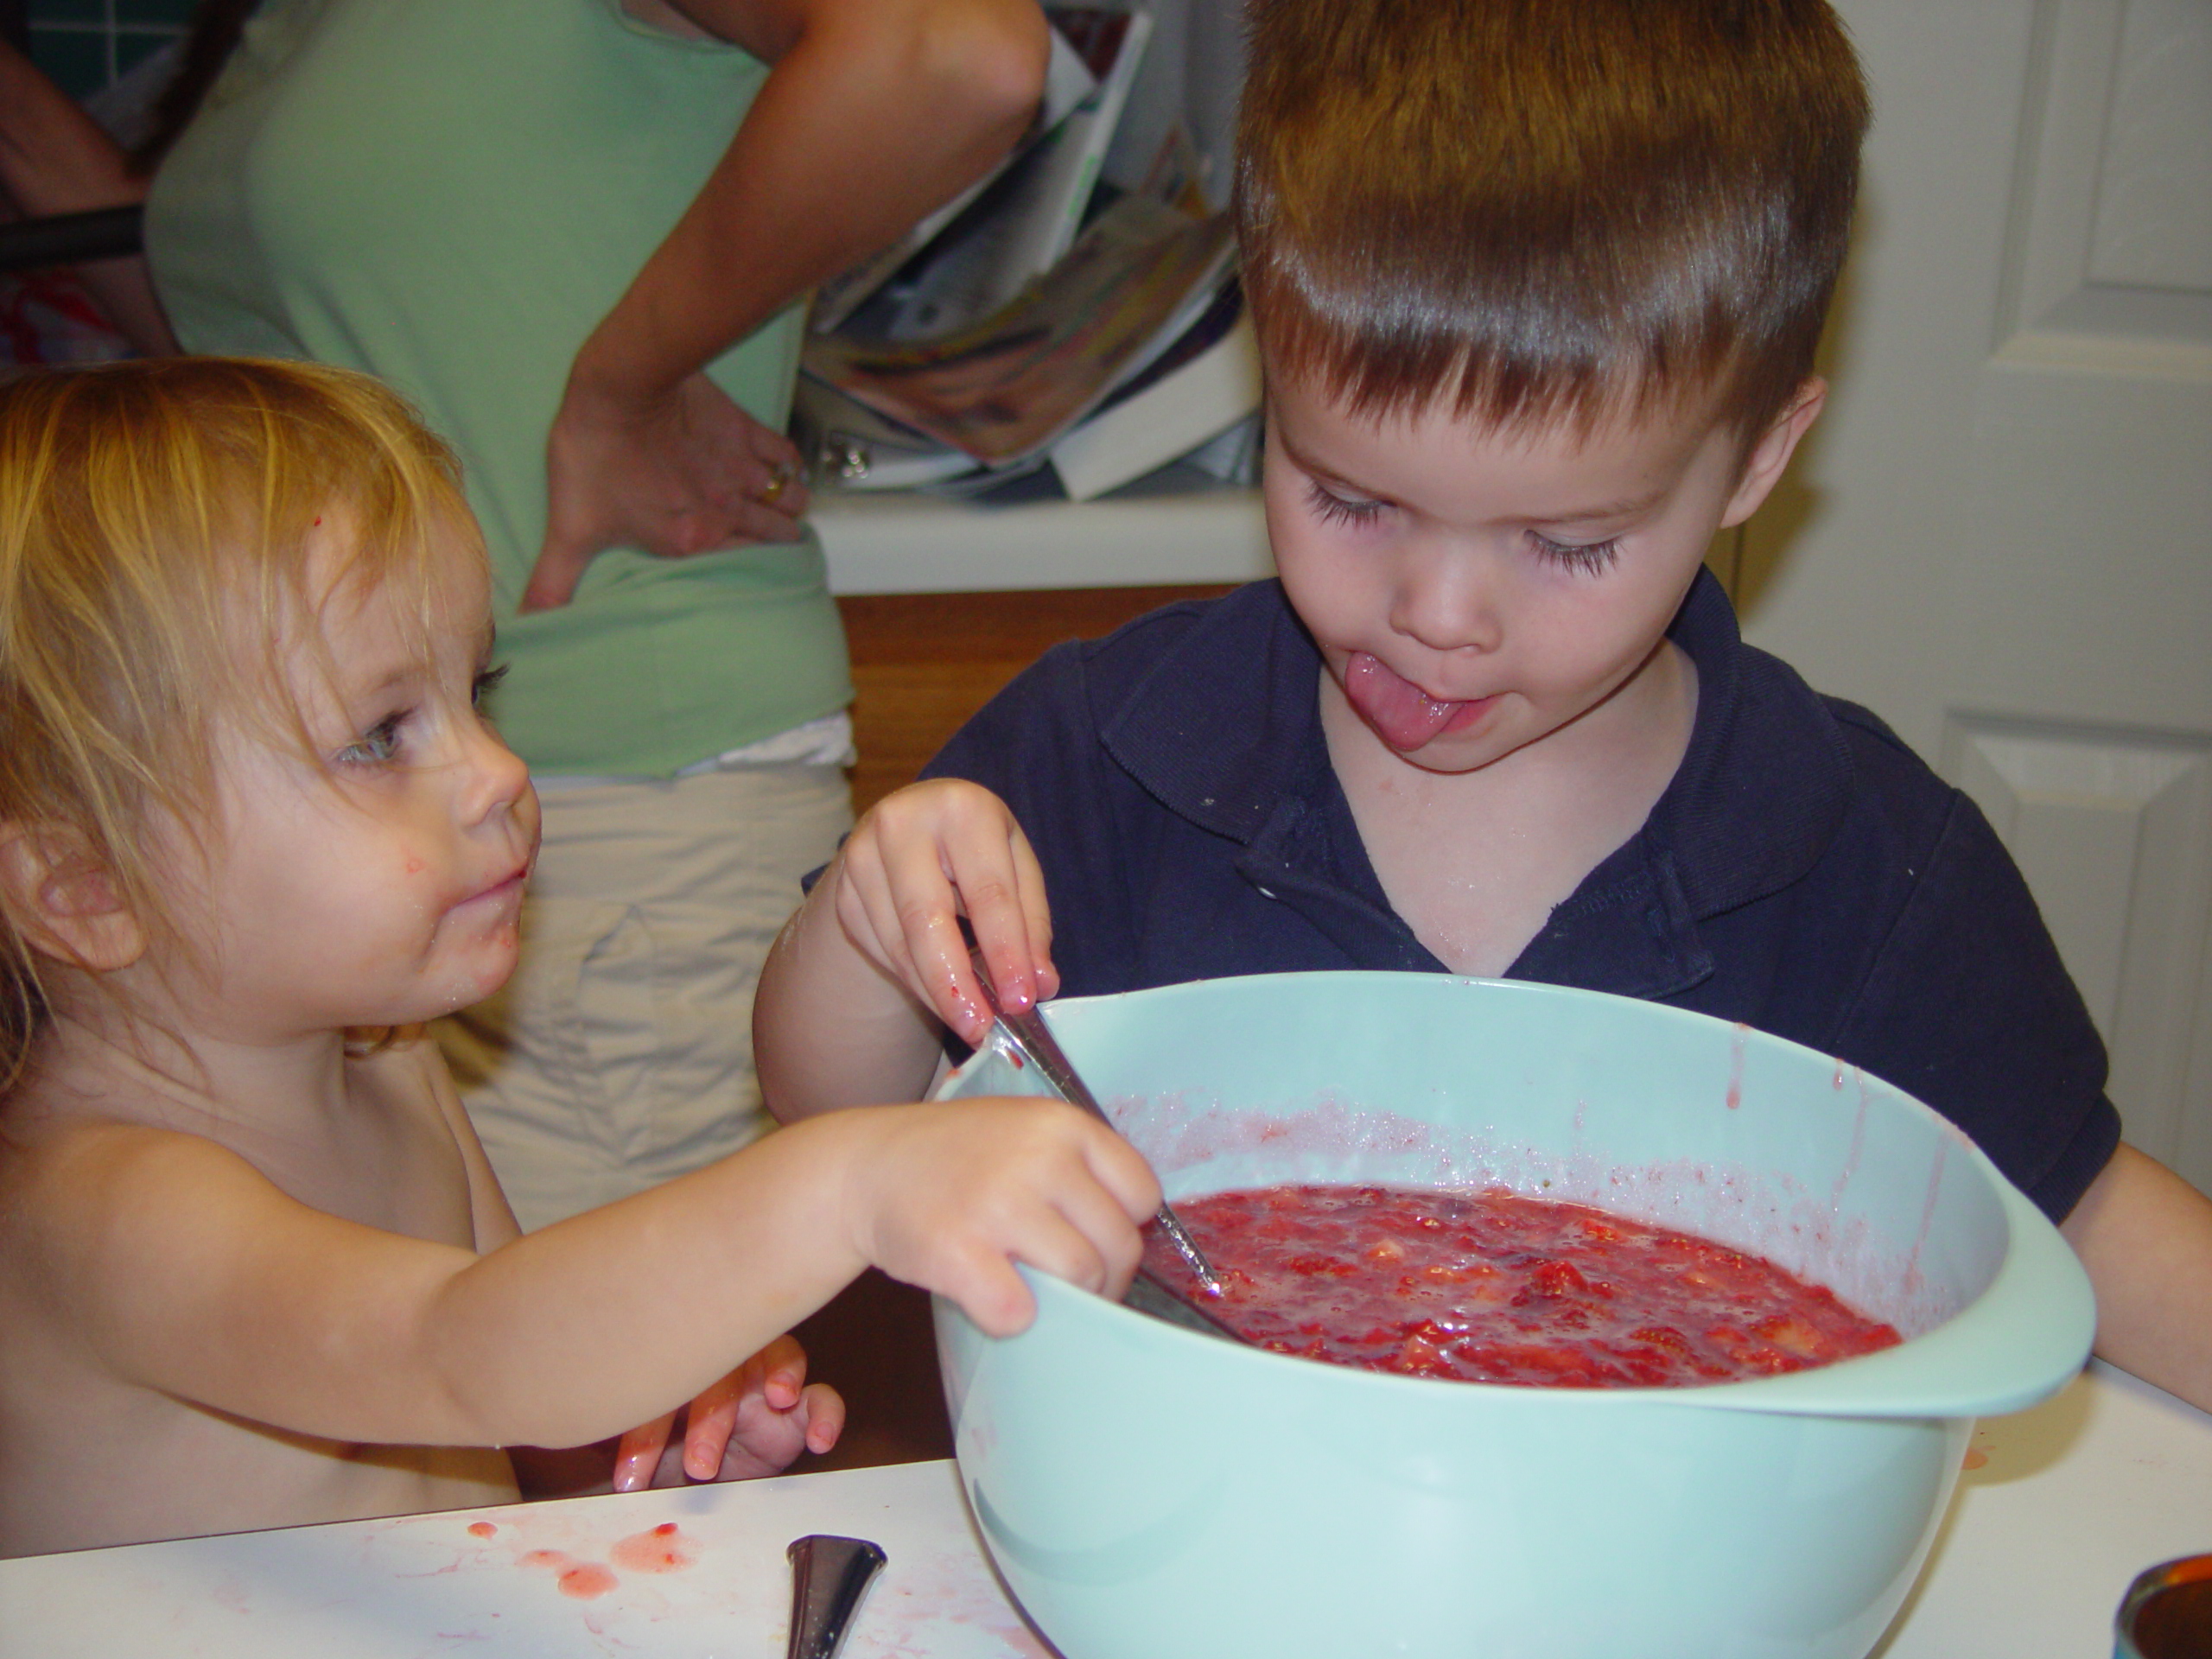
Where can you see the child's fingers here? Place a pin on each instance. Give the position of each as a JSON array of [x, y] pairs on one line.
[[713, 1417], [909, 912], [922, 859], [1005, 905], [638, 1455], [825, 1410], [1029, 883], [990, 1293], [927, 901], [1121, 1170], [783, 1372], [1058, 1245], [1096, 1215]]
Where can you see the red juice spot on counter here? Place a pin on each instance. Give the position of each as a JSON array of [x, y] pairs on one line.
[[482, 1530], [664, 1549], [587, 1581], [552, 1558], [1975, 1457]]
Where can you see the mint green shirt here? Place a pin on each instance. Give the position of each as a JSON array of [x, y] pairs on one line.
[[451, 194]]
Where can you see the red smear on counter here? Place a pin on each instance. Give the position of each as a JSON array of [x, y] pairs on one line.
[[1975, 1458], [482, 1530], [1494, 1287], [662, 1549], [587, 1581]]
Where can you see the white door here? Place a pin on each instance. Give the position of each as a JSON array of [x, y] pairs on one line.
[[2000, 537]]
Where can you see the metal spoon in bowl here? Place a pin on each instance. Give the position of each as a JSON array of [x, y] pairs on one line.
[[1029, 1035]]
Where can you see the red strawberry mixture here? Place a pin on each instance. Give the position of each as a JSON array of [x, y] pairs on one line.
[[1494, 1287]]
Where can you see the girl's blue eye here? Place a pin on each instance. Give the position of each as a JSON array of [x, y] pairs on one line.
[[487, 682], [1333, 509], [1587, 559], [378, 746]]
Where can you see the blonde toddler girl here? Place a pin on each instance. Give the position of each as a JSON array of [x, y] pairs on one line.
[[254, 1268]]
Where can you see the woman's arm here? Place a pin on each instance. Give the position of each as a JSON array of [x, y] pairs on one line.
[[873, 112], [54, 159]]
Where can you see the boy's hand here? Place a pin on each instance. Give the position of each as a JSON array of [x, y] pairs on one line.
[[921, 859], [949, 1196], [752, 1422]]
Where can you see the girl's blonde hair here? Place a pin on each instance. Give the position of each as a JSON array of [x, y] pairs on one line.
[[155, 522]]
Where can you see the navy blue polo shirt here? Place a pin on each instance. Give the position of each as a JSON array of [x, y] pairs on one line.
[[1804, 872]]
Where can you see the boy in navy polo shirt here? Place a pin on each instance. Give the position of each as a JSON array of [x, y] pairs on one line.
[[1537, 288]]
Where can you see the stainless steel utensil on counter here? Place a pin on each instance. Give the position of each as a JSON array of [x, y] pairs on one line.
[[829, 1576], [1032, 1039]]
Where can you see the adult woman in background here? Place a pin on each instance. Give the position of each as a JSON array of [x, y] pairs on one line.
[[573, 232]]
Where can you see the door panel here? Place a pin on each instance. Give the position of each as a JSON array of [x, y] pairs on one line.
[[2000, 538]]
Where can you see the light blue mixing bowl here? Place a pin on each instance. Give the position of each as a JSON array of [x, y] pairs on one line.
[[1149, 1493]]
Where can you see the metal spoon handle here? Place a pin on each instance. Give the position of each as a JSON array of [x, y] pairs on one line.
[[1028, 1031], [829, 1576]]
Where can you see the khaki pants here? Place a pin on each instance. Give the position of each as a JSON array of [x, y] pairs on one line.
[[620, 1053]]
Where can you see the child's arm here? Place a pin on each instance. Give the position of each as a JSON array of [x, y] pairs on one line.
[[850, 1002], [753, 1421], [2145, 1236], [183, 1269]]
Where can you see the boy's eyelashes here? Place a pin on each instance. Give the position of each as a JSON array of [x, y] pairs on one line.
[[1333, 509], [1584, 558]]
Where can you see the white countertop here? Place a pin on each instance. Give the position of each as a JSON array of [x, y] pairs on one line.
[[2073, 1500], [904, 543]]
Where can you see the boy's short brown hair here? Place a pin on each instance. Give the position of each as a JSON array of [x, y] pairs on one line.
[[1546, 209]]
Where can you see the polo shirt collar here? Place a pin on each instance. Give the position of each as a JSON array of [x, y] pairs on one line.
[[1224, 731], [1229, 719]]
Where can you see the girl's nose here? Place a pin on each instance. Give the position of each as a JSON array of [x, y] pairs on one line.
[[497, 778], [1447, 597]]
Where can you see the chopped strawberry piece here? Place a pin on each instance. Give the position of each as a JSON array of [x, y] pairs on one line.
[[1495, 1287]]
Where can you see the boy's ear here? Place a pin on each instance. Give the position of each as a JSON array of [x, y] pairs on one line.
[[65, 900], [1764, 466]]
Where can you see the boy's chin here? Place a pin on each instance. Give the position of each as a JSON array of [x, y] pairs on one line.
[[1461, 745]]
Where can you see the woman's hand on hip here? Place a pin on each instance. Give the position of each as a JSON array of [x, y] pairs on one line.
[[677, 474]]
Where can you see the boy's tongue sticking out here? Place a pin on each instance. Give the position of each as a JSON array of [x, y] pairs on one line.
[[1406, 716]]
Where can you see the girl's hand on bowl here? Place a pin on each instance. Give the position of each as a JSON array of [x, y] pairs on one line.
[[920, 859], [949, 1196]]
